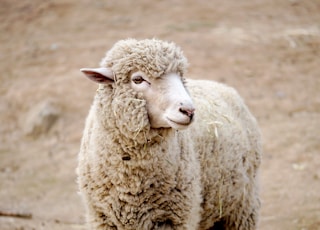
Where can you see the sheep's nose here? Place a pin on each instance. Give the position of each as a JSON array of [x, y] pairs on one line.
[[188, 111]]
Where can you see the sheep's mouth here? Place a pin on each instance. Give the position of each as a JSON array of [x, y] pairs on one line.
[[178, 124]]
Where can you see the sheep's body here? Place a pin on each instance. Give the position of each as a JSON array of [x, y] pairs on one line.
[[227, 141], [132, 176]]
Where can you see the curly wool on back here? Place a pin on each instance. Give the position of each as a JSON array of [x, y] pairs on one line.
[[133, 176]]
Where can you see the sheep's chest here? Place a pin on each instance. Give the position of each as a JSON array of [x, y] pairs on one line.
[[138, 197]]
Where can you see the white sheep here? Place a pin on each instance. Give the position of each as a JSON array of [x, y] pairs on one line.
[[145, 164]]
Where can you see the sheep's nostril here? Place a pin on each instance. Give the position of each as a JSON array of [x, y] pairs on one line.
[[188, 112]]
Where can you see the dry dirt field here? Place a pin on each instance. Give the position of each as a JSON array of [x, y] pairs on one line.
[[269, 50]]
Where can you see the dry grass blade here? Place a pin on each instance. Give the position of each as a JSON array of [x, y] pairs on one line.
[[24, 215]]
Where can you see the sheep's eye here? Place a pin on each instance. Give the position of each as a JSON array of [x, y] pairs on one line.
[[138, 80]]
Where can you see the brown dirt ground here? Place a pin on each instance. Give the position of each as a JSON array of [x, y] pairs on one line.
[[269, 50]]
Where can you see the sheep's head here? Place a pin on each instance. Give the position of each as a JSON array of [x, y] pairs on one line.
[[148, 74]]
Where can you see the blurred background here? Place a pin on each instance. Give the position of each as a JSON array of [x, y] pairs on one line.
[[269, 50]]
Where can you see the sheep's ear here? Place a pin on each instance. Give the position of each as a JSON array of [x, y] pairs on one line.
[[99, 75]]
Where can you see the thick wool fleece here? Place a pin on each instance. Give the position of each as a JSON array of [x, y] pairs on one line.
[[153, 57], [131, 186], [227, 140], [134, 177]]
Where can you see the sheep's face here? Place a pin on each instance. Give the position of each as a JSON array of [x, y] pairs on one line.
[[168, 102]]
